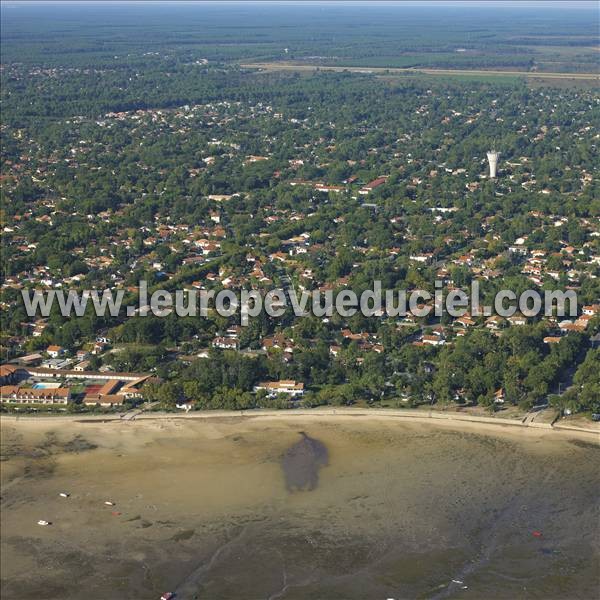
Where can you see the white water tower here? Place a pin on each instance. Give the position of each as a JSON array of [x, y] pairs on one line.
[[493, 160]]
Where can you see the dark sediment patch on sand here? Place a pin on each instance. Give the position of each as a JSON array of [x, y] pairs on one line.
[[585, 445], [186, 534], [78, 443], [51, 445], [301, 463]]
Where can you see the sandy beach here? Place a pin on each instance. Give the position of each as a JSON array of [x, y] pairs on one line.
[[584, 430], [202, 505]]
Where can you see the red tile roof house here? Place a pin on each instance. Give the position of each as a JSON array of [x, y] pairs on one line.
[[107, 401], [55, 351], [499, 396], [106, 395], [8, 373], [517, 320], [225, 343], [321, 187], [20, 395], [465, 321], [494, 322], [277, 341], [433, 340], [372, 185]]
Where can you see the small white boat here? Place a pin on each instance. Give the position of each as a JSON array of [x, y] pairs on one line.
[[109, 503], [42, 522], [64, 495]]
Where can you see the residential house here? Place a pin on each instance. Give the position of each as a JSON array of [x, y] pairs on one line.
[[367, 189], [284, 386], [225, 343], [55, 351], [22, 395]]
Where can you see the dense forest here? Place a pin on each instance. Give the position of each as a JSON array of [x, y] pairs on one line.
[[85, 36]]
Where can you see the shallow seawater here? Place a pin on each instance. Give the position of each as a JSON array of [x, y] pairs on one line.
[[295, 509]]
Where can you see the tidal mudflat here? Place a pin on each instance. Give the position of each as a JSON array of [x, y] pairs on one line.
[[296, 508]]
